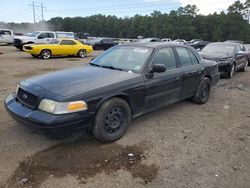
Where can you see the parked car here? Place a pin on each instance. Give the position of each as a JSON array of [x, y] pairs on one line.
[[247, 50], [199, 44], [180, 41], [103, 43], [58, 47], [229, 56], [6, 36], [193, 40], [40, 37], [124, 82], [166, 39], [150, 40], [235, 41]]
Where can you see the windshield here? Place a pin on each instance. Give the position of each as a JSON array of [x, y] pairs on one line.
[[34, 34], [54, 41], [215, 48], [126, 58]]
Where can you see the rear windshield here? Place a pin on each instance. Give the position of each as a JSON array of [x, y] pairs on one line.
[[65, 35]]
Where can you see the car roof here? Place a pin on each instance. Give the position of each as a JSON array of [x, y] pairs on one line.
[[153, 44]]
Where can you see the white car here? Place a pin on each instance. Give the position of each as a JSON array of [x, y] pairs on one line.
[[6, 36], [166, 39], [40, 37]]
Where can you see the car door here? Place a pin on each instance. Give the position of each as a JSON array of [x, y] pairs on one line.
[[162, 88], [67, 47], [45, 37], [191, 71]]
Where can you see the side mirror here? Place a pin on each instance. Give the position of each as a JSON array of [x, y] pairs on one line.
[[158, 68]]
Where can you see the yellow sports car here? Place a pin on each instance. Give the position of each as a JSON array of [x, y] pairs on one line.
[[58, 47]]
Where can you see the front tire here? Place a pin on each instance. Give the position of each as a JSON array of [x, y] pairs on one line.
[[244, 69], [112, 120], [203, 92], [231, 72], [45, 54], [82, 53]]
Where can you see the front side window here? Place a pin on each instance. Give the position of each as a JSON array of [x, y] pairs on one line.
[[185, 59], [67, 42], [166, 57]]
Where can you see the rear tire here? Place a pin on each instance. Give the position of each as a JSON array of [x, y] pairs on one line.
[[45, 54], [112, 120], [203, 92]]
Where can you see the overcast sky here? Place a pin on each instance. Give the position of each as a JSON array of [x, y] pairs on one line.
[[21, 10]]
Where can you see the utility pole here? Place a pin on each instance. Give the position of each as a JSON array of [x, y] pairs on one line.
[[34, 13], [42, 7]]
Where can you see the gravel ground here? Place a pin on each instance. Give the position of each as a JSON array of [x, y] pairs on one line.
[[183, 145]]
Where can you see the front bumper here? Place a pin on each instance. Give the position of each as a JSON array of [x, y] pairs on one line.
[[42, 120], [224, 69]]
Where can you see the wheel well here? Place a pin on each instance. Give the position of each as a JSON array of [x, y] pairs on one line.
[[123, 97], [46, 49]]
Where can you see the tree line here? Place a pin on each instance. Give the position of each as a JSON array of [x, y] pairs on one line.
[[185, 22]]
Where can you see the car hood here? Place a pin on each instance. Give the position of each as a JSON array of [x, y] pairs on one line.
[[215, 57], [41, 45], [75, 81]]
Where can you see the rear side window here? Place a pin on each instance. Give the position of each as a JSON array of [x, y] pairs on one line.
[[166, 57], [51, 35], [185, 59], [193, 57], [67, 42]]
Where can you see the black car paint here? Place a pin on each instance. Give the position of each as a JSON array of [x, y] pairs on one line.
[[143, 92], [105, 44], [239, 59]]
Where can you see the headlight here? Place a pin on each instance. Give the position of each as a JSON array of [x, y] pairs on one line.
[[224, 61], [54, 107]]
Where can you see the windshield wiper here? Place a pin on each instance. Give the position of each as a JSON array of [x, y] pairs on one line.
[[106, 66], [111, 67], [95, 64]]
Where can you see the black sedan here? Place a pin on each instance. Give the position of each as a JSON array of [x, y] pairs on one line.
[[199, 44], [124, 82], [104, 44], [229, 56]]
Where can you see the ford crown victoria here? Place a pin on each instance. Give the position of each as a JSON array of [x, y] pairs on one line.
[[124, 82]]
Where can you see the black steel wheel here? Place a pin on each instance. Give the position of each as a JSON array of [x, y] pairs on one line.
[[203, 92], [112, 120]]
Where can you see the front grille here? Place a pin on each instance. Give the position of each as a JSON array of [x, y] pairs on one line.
[[28, 47], [27, 98]]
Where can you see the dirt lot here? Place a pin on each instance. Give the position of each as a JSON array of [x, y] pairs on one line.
[[184, 145]]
